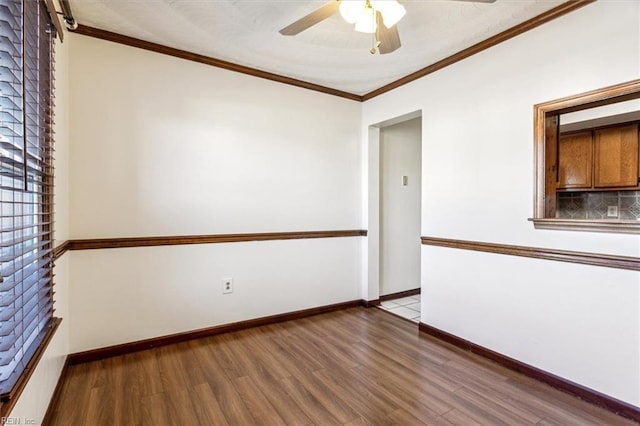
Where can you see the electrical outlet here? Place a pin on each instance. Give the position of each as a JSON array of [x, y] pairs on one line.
[[612, 211], [227, 285]]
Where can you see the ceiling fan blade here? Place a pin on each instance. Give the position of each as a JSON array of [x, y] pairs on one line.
[[318, 15], [388, 37]]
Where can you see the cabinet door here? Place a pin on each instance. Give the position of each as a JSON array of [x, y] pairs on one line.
[[616, 157], [574, 160]]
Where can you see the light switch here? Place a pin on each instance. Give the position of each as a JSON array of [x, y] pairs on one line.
[[405, 180]]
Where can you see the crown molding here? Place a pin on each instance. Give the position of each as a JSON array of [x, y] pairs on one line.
[[207, 60], [530, 24], [512, 32]]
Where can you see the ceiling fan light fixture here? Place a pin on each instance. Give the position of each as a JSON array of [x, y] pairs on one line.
[[366, 22], [363, 12], [392, 11], [350, 10], [377, 17]]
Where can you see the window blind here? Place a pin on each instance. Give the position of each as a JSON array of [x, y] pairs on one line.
[[26, 185]]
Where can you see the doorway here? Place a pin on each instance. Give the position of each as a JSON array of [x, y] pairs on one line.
[[400, 196]]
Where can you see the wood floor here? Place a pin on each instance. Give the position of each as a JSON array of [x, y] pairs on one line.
[[355, 367]]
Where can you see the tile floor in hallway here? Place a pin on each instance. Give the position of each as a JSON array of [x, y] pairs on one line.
[[405, 307]]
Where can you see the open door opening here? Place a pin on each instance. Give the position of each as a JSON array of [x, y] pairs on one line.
[[399, 150]]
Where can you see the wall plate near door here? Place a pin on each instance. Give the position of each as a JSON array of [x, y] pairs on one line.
[[227, 285]]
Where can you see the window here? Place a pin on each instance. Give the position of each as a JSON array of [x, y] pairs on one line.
[[546, 139], [26, 190]]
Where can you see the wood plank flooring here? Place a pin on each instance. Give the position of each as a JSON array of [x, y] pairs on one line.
[[353, 367]]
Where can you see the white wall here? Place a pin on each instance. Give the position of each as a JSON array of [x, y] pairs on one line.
[[148, 292], [34, 400], [579, 322], [400, 206], [163, 146]]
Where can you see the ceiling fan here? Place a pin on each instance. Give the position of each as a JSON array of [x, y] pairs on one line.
[[377, 17]]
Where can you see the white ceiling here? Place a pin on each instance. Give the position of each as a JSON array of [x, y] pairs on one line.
[[330, 53]]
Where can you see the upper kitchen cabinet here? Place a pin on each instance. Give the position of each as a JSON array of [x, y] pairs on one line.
[[599, 159], [616, 157], [575, 160]]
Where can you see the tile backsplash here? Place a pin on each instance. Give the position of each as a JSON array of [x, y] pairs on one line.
[[594, 205]]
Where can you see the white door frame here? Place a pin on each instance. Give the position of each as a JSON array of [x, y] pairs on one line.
[[372, 269]]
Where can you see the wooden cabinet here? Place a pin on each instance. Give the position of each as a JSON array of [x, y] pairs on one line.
[[615, 157], [575, 161], [604, 158]]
